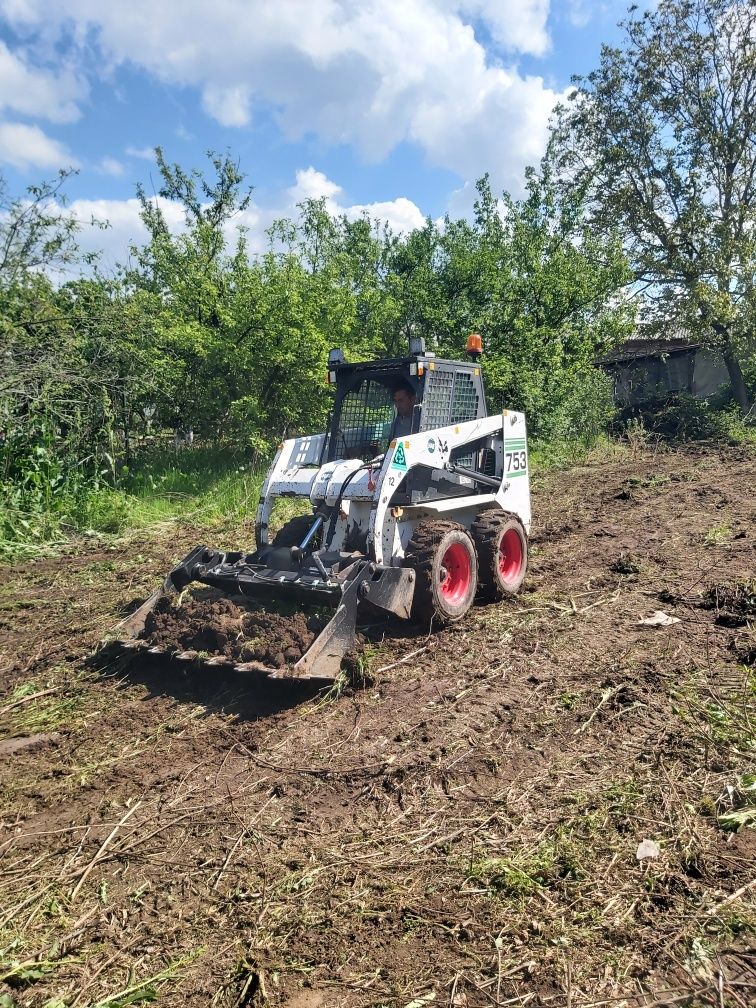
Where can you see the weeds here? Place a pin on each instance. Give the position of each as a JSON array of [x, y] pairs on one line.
[[719, 535], [682, 418], [204, 485], [527, 870], [561, 453]]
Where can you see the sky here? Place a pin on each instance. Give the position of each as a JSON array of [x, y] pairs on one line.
[[394, 107]]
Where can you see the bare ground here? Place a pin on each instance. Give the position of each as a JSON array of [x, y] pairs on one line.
[[461, 831]]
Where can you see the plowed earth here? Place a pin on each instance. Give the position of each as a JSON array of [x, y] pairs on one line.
[[463, 830]]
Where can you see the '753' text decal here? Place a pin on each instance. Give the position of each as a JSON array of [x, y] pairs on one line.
[[516, 462]]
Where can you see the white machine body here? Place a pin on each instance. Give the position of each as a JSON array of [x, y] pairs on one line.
[[371, 506]]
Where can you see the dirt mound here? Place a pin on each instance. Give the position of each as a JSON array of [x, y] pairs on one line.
[[735, 604], [225, 628]]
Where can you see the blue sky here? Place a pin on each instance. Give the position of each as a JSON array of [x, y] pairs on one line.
[[394, 106]]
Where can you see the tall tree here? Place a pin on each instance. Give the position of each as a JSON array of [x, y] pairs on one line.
[[37, 232], [665, 133], [529, 275]]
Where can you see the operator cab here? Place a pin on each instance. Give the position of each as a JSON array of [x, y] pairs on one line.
[[378, 402]]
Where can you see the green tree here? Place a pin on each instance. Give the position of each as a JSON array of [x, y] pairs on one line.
[[555, 305], [37, 232], [663, 133], [242, 339], [536, 283], [183, 286]]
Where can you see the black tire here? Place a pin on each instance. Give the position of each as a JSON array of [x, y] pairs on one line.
[[443, 594], [294, 531], [502, 548]]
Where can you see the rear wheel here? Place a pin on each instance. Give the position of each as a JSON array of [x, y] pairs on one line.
[[502, 547], [443, 557]]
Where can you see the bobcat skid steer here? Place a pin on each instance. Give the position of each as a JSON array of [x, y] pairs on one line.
[[412, 513]]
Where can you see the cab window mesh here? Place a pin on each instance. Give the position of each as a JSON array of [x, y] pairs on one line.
[[450, 397], [464, 400], [364, 424]]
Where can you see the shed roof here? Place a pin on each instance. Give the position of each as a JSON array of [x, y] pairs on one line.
[[634, 349]]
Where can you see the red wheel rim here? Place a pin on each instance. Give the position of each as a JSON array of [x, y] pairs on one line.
[[510, 557], [456, 574]]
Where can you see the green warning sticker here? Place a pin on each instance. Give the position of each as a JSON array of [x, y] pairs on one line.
[[400, 459]]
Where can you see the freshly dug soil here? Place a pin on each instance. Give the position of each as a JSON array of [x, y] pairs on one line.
[[464, 833], [224, 628]]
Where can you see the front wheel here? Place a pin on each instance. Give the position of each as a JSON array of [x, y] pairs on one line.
[[443, 557], [502, 547]]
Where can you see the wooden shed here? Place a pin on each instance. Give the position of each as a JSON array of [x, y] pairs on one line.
[[645, 369]]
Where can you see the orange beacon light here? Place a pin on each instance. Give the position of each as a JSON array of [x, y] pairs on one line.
[[474, 345]]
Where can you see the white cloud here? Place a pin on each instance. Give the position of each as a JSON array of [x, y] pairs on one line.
[[313, 184], [371, 73], [520, 25], [110, 166], [27, 146], [38, 92], [229, 105], [402, 215], [145, 153]]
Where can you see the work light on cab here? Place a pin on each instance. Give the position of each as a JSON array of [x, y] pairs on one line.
[[474, 345]]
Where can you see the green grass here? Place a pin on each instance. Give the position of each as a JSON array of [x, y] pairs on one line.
[[719, 535], [561, 453], [546, 864], [203, 485]]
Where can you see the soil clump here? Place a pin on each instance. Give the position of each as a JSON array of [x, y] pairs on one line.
[[229, 629]]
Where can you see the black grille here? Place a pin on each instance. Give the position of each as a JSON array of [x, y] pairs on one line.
[[450, 397]]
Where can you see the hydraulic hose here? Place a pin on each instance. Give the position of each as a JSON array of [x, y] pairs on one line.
[[337, 505]]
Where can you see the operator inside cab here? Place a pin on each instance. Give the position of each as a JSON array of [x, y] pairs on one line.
[[404, 401]]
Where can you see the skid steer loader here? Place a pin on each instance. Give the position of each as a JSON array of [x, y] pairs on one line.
[[412, 513]]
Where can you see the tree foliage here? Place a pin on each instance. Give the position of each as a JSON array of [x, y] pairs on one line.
[[197, 332], [662, 135]]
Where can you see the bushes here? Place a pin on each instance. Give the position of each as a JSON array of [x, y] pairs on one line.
[[684, 418]]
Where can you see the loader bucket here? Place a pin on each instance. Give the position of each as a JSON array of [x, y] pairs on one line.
[[233, 578]]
